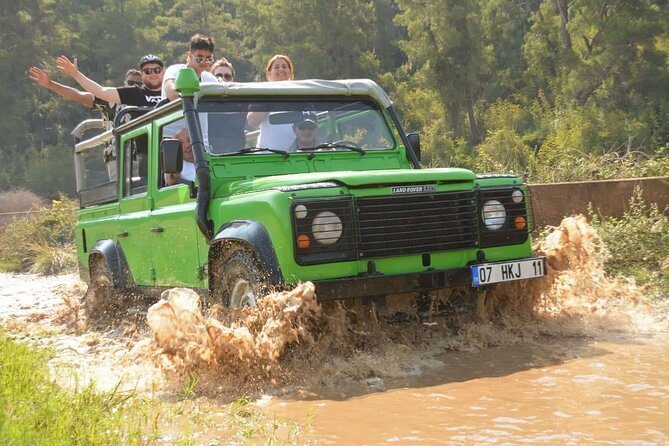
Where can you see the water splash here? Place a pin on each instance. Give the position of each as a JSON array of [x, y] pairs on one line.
[[289, 338]]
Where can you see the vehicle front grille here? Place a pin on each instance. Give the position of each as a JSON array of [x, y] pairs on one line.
[[416, 224]]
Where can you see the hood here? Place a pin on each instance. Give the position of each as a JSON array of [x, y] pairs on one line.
[[357, 179]]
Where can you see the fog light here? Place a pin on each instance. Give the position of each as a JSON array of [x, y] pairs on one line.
[[494, 215], [520, 222], [327, 227], [303, 241]]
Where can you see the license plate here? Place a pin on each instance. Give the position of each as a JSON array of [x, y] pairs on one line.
[[486, 273]]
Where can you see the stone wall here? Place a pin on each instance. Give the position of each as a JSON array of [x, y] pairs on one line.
[[552, 202]]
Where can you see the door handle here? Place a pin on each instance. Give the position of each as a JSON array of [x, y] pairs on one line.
[[157, 229]]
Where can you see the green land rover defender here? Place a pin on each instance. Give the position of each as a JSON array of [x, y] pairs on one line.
[[348, 208]]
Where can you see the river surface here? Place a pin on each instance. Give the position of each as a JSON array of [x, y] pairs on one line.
[[611, 391], [577, 358]]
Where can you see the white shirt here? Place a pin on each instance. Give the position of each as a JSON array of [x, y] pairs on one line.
[[275, 136], [188, 171], [173, 70]]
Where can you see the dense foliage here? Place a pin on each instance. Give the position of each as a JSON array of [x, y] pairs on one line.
[[637, 244], [550, 89]]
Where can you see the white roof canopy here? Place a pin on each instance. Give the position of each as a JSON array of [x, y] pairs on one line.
[[310, 87]]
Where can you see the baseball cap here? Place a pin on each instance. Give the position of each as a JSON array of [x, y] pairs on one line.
[[150, 58], [307, 116]]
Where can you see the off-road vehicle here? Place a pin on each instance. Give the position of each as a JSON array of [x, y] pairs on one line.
[[354, 212]]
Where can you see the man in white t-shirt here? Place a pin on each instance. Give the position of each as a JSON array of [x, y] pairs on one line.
[[200, 56], [188, 170]]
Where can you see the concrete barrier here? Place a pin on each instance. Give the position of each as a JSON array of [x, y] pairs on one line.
[[553, 201]]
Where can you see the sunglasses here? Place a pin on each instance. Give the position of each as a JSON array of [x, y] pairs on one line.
[[200, 59], [306, 126], [156, 70], [226, 76], [134, 83]]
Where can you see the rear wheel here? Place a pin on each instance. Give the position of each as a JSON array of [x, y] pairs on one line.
[[241, 281], [98, 300]]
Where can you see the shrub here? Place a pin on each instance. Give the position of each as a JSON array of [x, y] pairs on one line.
[[17, 201], [637, 244], [42, 242]]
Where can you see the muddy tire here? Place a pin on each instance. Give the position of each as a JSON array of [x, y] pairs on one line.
[[99, 299], [240, 280]]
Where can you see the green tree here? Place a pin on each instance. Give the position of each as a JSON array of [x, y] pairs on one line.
[[326, 39], [444, 41]]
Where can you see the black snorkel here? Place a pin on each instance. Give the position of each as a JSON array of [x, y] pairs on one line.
[[188, 84]]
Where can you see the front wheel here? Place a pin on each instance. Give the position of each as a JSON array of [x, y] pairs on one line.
[[241, 280]]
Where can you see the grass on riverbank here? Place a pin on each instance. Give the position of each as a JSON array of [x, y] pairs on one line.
[[34, 410]]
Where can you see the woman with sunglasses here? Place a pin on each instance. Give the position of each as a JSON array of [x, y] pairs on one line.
[[274, 136], [223, 70], [199, 58]]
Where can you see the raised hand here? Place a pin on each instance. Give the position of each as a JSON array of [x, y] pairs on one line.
[[39, 76], [67, 67]]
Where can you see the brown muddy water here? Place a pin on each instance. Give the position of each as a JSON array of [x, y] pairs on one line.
[[575, 358]]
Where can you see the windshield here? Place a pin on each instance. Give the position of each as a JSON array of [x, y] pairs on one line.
[[265, 127]]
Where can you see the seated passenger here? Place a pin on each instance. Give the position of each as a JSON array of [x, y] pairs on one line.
[[188, 170], [274, 136], [305, 130]]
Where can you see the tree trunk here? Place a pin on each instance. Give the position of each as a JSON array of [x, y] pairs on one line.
[[564, 20], [476, 138]]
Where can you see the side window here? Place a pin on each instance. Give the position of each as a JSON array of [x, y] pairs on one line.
[[168, 131], [135, 163]]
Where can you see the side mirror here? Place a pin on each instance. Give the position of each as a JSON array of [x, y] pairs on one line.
[[171, 156], [414, 140]]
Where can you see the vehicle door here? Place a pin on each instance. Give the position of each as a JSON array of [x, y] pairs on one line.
[[174, 236], [135, 205]]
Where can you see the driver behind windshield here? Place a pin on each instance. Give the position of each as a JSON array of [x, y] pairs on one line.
[[306, 131]]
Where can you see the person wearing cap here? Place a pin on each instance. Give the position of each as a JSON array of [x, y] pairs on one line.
[[200, 56], [42, 78], [146, 95], [306, 130]]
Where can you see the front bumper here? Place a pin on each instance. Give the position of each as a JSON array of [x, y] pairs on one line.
[[379, 284]]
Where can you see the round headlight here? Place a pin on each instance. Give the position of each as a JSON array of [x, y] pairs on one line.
[[327, 227], [494, 215], [517, 196]]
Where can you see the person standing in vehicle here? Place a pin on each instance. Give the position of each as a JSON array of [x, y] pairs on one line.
[[147, 95], [274, 136], [223, 70], [42, 78], [188, 169], [200, 56]]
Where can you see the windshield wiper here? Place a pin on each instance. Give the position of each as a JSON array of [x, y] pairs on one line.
[[254, 149], [335, 145]]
